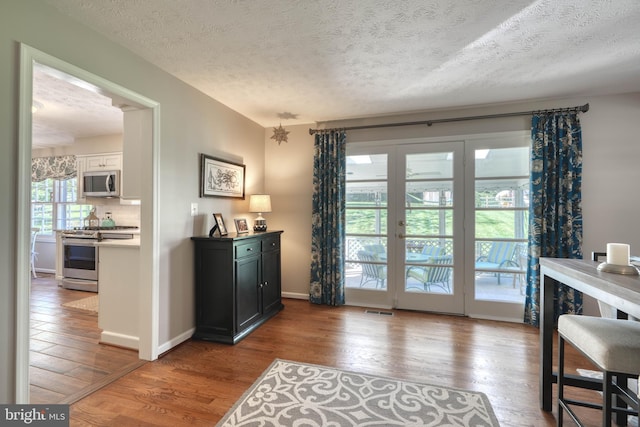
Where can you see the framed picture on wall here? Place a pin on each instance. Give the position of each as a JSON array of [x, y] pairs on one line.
[[221, 178]]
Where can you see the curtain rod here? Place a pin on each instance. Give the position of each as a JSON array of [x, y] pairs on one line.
[[578, 109]]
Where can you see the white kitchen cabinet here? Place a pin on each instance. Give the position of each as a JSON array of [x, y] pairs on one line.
[[108, 161]]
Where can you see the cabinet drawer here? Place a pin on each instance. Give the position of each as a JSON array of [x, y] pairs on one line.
[[271, 243], [247, 249]]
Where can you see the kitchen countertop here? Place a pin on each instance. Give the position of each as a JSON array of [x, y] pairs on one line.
[[122, 243]]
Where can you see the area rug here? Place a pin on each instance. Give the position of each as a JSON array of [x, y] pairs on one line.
[[87, 304], [299, 394]]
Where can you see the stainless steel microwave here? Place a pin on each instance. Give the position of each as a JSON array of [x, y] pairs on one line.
[[101, 184]]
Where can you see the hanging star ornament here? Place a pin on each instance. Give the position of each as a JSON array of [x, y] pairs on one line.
[[280, 134]]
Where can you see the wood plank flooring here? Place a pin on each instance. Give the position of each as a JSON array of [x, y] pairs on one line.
[[66, 360], [196, 383]]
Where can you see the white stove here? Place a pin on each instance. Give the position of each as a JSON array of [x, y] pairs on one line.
[[80, 254]]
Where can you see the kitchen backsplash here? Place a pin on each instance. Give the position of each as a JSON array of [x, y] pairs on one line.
[[121, 214]]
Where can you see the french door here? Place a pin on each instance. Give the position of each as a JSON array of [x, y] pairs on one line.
[[422, 223], [404, 233]]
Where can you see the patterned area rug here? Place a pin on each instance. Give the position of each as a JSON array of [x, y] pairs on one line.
[[87, 304], [291, 393]]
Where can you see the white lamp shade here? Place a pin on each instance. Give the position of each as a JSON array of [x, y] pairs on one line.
[[260, 203]]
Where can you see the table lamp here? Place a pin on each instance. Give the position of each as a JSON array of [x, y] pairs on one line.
[[259, 203]]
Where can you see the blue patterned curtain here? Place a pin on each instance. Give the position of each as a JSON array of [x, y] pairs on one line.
[[555, 207], [328, 219]]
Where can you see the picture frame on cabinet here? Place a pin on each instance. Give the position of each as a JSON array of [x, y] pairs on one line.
[[222, 229], [221, 178], [241, 225]]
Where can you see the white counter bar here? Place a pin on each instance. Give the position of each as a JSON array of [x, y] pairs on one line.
[[119, 279]]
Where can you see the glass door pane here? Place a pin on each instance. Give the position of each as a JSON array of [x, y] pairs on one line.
[[498, 200], [429, 226], [367, 269], [501, 221]]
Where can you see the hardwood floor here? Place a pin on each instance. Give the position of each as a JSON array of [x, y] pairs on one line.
[[196, 383], [66, 360]]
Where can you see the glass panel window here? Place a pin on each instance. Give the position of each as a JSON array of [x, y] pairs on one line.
[[366, 221], [54, 207], [501, 221]]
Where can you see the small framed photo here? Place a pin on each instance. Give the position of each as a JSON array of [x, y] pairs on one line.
[[220, 223], [221, 178], [241, 225]]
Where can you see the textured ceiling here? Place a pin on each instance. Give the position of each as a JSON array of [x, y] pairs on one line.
[[67, 111], [334, 59]]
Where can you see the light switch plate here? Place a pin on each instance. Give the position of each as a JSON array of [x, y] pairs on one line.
[[194, 209]]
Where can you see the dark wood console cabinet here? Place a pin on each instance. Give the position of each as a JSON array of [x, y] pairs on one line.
[[237, 279]]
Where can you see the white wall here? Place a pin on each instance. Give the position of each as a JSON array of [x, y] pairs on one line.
[[190, 123], [611, 154], [289, 181]]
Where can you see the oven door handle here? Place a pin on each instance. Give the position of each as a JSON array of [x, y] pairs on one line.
[[79, 242]]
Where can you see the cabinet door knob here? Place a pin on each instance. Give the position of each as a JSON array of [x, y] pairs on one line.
[[249, 249], [266, 283]]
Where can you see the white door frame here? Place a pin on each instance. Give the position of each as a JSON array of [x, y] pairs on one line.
[[149, 242]]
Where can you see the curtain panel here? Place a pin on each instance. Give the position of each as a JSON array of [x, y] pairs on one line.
[[555, 207], [328, 219], [56, 167]]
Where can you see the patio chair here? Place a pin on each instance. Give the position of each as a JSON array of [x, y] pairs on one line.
[[370, 270], [500, 256], [375, 249], [433, 275], [431, 251], [34, 254]]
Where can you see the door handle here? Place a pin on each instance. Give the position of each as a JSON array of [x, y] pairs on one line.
[[401, 236]]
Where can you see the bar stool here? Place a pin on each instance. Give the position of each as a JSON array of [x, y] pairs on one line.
[[614, 347]]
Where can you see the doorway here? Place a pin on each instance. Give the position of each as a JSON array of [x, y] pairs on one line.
[[148, 280], [439, 225]]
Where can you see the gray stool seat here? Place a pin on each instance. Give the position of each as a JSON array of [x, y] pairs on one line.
[[613, 345]]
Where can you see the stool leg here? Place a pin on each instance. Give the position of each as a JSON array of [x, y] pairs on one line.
[[621, 417], [560, 379], [606, 398]]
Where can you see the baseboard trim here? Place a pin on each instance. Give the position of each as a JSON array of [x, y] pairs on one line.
[[176, 341], [295, 295], [121, 340]]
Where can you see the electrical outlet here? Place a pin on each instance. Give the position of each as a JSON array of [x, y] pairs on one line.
[[194, 209]]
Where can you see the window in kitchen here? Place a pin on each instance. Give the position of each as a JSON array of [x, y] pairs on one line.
[[54, 207]]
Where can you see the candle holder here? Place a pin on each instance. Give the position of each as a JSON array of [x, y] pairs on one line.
[[628, 270]]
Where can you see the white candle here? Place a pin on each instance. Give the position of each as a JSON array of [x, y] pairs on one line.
[[618, 253]]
